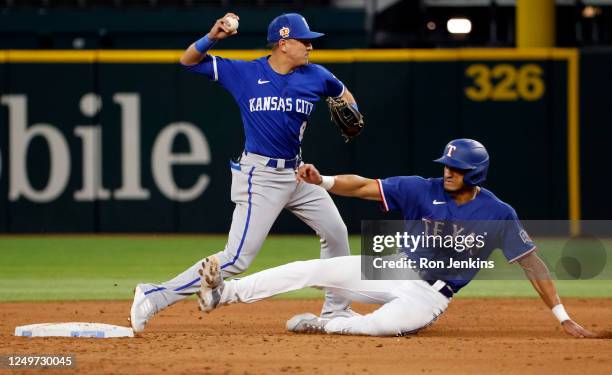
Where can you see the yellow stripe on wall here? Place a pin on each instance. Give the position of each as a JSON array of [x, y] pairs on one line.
[[324, 56]]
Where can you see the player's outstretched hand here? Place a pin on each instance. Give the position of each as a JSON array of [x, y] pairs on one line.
[[220, 30], [308, 173], [574, 329]]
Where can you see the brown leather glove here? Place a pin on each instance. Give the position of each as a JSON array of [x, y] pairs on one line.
[[346, 117]]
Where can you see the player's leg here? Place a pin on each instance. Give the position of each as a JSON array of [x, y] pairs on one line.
[[257, 207], [408, 305], [259, 199], [260, 194], [314, 206], [340, 274], [416, 305]]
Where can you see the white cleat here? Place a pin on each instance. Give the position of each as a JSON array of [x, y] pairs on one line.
[[307, 323], [211, 285], [142, 310]]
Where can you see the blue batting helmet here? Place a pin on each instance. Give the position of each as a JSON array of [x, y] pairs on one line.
[[469, 155]]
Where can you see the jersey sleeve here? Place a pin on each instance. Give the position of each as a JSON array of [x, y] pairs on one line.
[[332, 86], [229, 73], [515, 242], [402, 193]]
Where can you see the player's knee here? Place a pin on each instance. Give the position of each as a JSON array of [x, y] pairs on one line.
[[365, 325], [375, 326], [336, 232], [239, 258], [236, 265]]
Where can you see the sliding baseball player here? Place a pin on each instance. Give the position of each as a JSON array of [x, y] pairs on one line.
[[413, 303]]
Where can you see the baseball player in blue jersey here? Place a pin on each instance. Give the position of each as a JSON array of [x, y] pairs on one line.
[[415, 302], [276, 96]]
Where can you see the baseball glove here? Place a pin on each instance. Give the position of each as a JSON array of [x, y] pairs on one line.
[[346, 117]]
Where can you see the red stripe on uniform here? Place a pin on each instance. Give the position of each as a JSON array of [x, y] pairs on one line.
[[523, 255], [382, 195]]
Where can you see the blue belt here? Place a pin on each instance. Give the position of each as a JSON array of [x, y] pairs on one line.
[[446, 290], [289, 163], [273, 163]]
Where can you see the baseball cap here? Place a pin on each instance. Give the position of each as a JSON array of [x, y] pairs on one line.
[[290, 26]]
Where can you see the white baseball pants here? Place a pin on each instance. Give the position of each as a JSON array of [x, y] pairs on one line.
[[407, 305]]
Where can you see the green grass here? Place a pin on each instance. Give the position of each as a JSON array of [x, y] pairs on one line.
[[108, 267]]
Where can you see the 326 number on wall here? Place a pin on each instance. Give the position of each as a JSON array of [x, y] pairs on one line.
[[505, 82]]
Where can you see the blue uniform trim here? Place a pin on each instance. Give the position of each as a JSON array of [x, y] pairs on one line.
[[246, 226], [290, 163], [244, 233], [154, 290], [174, 290], [186, 285], [234, 165]]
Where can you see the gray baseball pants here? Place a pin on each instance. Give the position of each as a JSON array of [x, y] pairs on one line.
[[260, 194]]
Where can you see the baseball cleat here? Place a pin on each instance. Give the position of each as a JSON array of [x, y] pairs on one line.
[[142, 309], [307, 323], [211, 285]]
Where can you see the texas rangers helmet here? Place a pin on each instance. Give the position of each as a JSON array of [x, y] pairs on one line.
[[469, 155]]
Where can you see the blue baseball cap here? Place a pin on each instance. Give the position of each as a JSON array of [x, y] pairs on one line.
[[290, 26]]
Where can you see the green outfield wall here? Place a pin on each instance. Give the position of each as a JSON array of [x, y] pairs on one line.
[[595, 131], [127, 141]]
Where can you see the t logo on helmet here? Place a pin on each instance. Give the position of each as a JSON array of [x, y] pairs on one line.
[[451, 148]]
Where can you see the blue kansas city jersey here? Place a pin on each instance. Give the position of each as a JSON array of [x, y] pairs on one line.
[[275, 108], [426, 201]]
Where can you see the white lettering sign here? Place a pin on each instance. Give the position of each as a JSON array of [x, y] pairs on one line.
[[163, 159]]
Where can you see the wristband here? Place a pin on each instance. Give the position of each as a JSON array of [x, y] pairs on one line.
[[204, 44], [560, 313], [327, 182]]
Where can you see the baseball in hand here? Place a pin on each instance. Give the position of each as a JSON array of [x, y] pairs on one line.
[[230, 23]]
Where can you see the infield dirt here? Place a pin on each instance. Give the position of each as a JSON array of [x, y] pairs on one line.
[[475, 336]]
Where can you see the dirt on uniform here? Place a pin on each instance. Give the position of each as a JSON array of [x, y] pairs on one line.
[[474, 336]]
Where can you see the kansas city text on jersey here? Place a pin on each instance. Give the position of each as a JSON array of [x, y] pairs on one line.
[[274, 103]]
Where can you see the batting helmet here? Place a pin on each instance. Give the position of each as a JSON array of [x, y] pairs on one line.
[[469, 155]]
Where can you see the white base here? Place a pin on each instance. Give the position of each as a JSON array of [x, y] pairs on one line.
[[73, 329]]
